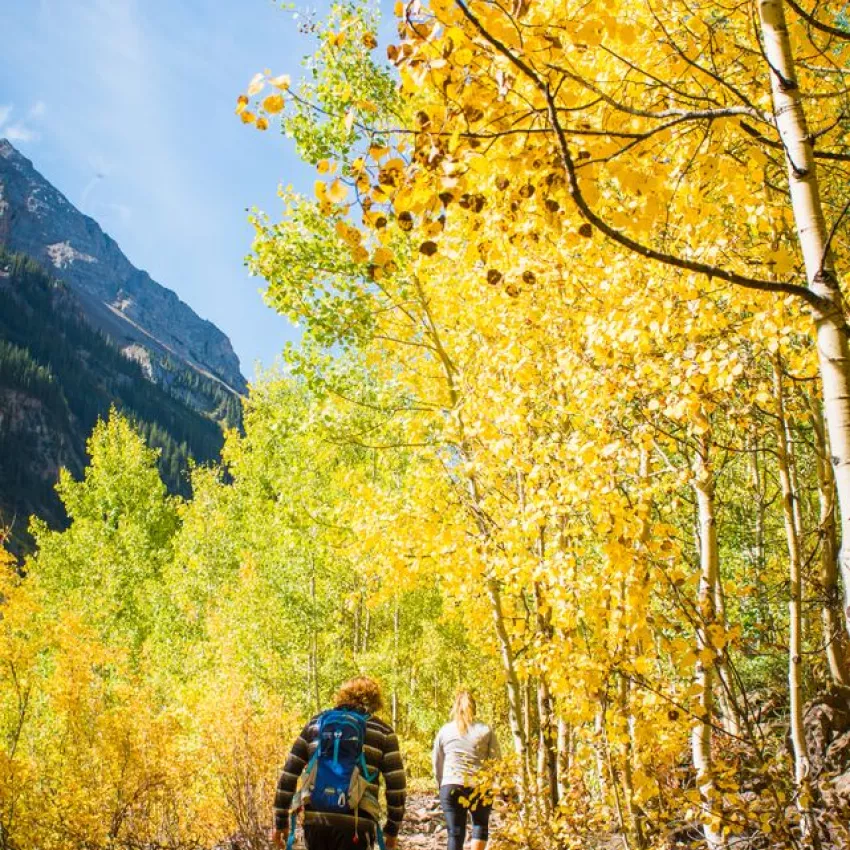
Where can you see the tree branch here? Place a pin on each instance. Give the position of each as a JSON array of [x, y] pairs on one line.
[[612, 233], [813, 22]]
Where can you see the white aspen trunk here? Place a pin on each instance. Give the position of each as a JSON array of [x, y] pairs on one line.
[[765, 614], [731, 720], [835, 636], [507, 653], [564, 744], [701, 735], [795, 592], [635, 818], [547, 757], [615, 780], [599, 752], [528, 731], [832, 344]]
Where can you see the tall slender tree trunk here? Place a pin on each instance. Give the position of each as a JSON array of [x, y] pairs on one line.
[[832, 343], [528, 732], [836, 642], [564, 745], [635, 815], [548, 753], [795, 594], [616, 789], [758, 487], [599, 752], [726, 696], [508, 665], [791, 515], [701, 735], [547, 756]]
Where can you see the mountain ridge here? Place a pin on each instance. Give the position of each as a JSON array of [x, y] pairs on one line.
[[147, 321]]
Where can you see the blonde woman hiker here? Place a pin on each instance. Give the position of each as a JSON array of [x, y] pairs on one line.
[[340, 756], [460, 750]]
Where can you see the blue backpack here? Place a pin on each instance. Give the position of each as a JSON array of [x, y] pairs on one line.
[[336, 778]]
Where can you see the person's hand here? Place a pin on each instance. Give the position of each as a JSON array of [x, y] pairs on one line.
[[279, 837], [391, 841]]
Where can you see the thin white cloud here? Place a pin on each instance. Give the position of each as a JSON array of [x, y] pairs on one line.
[[20, 133], [21, 130]]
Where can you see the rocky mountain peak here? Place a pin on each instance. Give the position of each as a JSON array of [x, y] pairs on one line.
[[144, 318]]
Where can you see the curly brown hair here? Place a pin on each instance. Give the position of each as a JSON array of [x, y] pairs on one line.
[[361, 693]]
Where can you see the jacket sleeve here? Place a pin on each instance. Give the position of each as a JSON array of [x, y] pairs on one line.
[[493, 750], [395, 784], [299, 755], [438, 758]]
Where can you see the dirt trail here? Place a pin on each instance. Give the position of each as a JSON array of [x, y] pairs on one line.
[[423, 827]]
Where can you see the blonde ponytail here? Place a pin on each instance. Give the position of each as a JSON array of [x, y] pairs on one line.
[[463, 712]]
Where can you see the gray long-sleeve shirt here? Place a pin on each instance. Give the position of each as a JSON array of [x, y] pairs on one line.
[[457, 758]]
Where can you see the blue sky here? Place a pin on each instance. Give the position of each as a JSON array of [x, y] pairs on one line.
[[126, 106]]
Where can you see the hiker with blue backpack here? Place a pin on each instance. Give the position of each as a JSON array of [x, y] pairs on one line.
[[460, 750], [340, 756]]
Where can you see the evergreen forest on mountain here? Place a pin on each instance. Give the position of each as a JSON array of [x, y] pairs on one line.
[[568, 425], [59, 375]]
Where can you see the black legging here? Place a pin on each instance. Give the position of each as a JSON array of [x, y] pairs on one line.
[[456, 812]]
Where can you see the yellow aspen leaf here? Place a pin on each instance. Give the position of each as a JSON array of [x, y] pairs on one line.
[[337, 192], [348, 121], [382, 256], [706, 656], [282, 82], [273, 103], [321, 190], [262, 123], [783, 261], [248, 117], [463, 56], [351, 235], [456, 36], [323, 166], [378, 152], [256, 85], [241, 103]]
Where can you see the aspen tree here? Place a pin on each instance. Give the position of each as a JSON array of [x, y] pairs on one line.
[[702, 733], [802, 765], [815, 243], [835, 636]]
